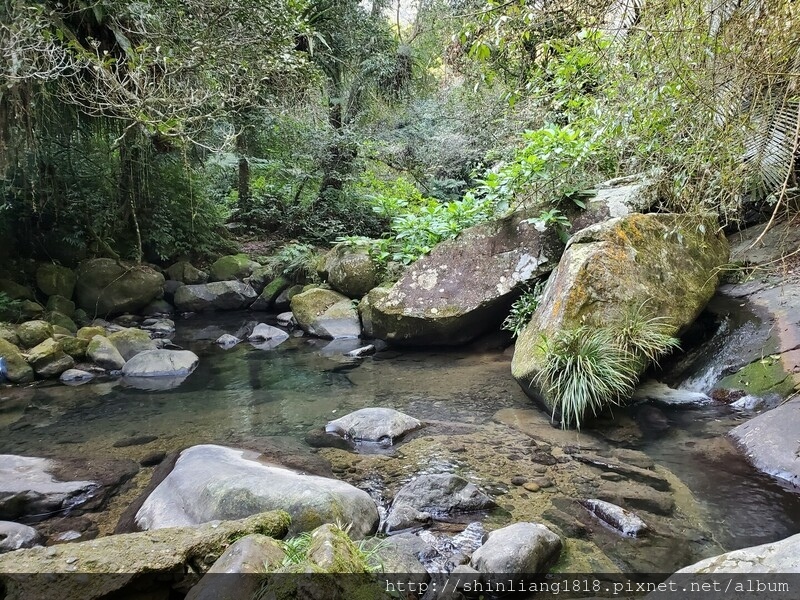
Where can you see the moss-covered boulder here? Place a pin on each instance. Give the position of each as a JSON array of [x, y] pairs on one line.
[[144, 564], [55, 280], [30, 309], [351, 271], [104, 353], [74, 346], [48, 359], [9, 333], [32, 333], [61, 304], [130, 342], [663, 264], [107, 287], [56, 318], [326, 314], [234, 266], [761, 378], [90, 331], [284, 299], [260, 277], [269, 293], [185, 272], [15, 291], [17, 368]]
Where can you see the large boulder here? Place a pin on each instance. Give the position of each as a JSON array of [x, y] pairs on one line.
[[373, 425], [32, 333], [161, 363], [465, 286], [519, 549], [133, 565], [15, 291], [55, 280], [212, 482], [220, 295], [666, 264], [61, 304], [48, 359], [130, 342], [326, 314], [235, 266], [776, 557], [109, 287], [351, 271], [17, 369], [185, 272], [104, 353], [770, 441]]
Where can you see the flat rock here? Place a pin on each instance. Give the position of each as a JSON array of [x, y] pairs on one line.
[[776, 557], [263, 333], [373, 425], [213, 482], [161, 363]]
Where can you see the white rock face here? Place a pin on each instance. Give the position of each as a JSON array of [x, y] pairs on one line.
[[161, 363]]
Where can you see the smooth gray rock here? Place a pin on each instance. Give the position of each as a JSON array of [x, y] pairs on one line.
[[227, 341], [616, 517], [161, 363], [75, 376], [263, 333], [219, 295], [374, 425], [286, 319], [770, 441], [442, 495], [776, 557], [404, 517], [104, 353], [517, 549], [130, 342], [212, 482], [14, 536]]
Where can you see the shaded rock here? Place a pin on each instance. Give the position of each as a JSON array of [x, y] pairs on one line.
[[661, 393], [220, 295], [776, 557], [55, 280], [184, 272], [15, 291], [250, 555], [405, 517], [442, 494], [326, 314], [161, 363], [63, 321], [111, 287], [286, 319], [260, 277], [616, 517], [350, 271], [159, 328], [104, 353], [617, 267], [268, 293], [87, 333], [75, 347], [319, 438], [14, 536], [263, 332], [158, 307], [770, 441], [32, 333], [75, 377], [212, 482], [170, 288], [227, 341], [9, 334], [29, 309], [120, 561], [61, 305], [399, 554], [519, 549], [373, 425], [49, 360], [645, 476], [284, 299], [130, 342], [17, 369], [234, 266]]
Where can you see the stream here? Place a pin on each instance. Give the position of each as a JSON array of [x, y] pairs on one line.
[[480, 425]]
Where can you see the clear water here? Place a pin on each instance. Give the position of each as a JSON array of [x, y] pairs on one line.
[[244, 394]]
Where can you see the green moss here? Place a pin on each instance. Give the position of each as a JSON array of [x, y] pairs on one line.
[[761, 377]]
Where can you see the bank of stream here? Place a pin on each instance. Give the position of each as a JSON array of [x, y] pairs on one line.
[[479, 424]]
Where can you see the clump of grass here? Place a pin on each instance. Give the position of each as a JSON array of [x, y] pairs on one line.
[[295, 261], [523, 308], [589, 368], [296, 549], [584, 369]]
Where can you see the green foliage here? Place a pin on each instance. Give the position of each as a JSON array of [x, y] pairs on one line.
[[10, 308], [523, 308], [296, 261], [296, 549], [589, 368]]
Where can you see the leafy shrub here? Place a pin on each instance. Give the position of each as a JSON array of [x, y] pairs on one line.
[[523, 308], [10, 309], [296, 261]]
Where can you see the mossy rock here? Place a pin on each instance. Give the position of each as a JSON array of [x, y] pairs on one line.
[[234, 266], [185, 272], [88, 332], [61, 304], [104, 353], [284, 299], [17, 368], [9, 334], [48, 359], [74, 346], [270, 292], [55, 280], [30, 309], [15, 291], [665, 265], [62, 320], [32, 333], [107, 287], [351, 271], [326, 314], [130, 342], [761, 378]]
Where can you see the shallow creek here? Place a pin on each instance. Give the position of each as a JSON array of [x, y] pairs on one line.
[[479, 424]]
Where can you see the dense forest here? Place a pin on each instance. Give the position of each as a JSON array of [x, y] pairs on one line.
[[158, 131]]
